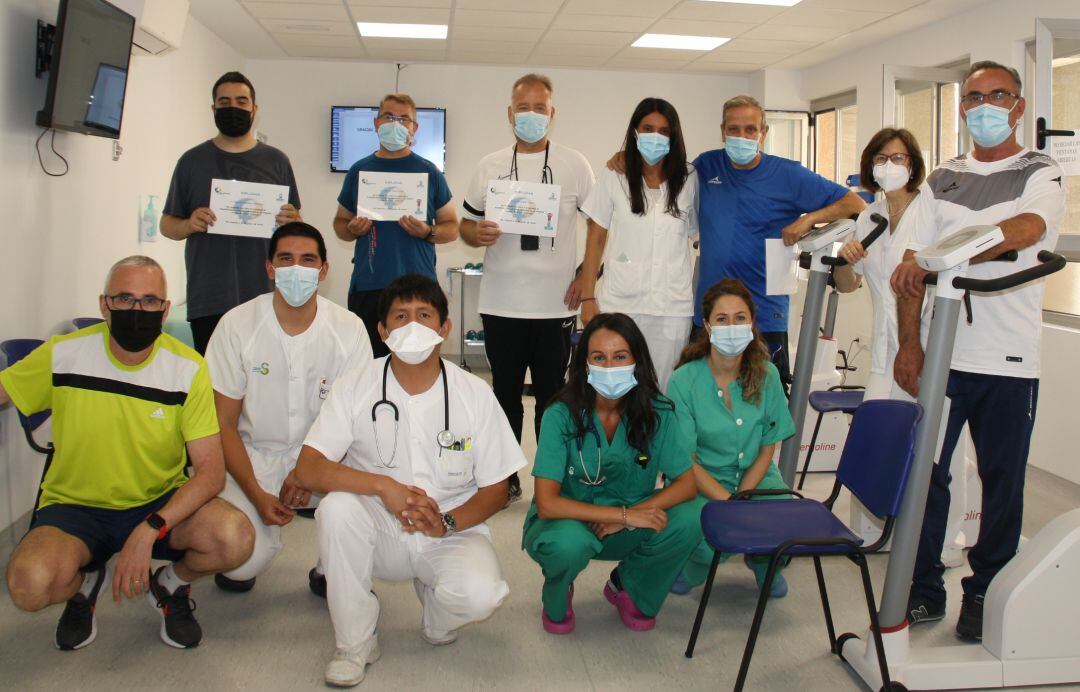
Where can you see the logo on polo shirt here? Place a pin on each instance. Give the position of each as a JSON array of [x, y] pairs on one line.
[[158, 414], [1056, 180], [951, 186], [261, 369], [715, 180]]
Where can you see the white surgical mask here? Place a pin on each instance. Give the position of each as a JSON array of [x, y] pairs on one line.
[[296, 284], [413, 343], [891, 176]]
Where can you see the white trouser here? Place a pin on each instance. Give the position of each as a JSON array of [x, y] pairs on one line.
[[359, 540], [267, 538], [666, 337]]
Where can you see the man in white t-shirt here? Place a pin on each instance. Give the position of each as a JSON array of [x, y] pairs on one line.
[[993, 384], [273, 361], [425, 454], [529, 294]]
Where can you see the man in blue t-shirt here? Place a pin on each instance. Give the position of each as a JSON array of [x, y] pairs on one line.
[[746, 197], [388, 249]]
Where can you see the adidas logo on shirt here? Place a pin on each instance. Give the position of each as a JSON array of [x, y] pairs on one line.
[[715, 180], [158, 414]]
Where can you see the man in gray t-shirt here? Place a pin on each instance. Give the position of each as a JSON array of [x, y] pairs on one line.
[[224, 271]]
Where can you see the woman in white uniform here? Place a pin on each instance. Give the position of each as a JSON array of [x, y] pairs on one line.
[[891, 163], [640, 224]]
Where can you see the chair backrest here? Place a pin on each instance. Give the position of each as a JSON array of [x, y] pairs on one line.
[[878, 454], [84, 322], [15, 350]]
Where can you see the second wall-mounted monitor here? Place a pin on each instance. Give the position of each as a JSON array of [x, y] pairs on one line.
[[353, 136]]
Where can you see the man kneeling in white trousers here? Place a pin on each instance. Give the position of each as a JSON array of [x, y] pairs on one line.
[[425, 454]]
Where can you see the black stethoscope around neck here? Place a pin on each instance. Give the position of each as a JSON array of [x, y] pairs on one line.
[[445, 438]]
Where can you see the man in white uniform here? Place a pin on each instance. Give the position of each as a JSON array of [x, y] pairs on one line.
[[425, 455], [272, 362], [529, 294], [993, 384]]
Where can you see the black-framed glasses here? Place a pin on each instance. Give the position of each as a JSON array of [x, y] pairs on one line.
[[897, 158], [403, 119], [996, 97], [125, 301]]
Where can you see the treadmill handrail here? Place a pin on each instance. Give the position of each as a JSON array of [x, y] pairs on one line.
[[882, 224]]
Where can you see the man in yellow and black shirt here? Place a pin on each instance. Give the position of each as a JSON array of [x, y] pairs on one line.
[[131, 408]]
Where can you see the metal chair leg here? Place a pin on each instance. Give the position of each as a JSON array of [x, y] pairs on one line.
[[703, 604], [810, 451], [875, 627], [825, 603], [759, 614]]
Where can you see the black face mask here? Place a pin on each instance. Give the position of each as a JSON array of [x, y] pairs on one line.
[[135, 330], [232, 122]]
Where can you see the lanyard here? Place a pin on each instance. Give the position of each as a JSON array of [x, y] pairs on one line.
[[547, 177]]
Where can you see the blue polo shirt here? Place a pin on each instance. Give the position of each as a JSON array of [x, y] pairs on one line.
[[395, 252], [739, 209]]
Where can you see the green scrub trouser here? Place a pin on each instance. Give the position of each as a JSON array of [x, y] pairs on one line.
[[697, 567], [648, 561]]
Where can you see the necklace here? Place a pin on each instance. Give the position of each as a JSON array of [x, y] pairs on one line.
[[899, 212]]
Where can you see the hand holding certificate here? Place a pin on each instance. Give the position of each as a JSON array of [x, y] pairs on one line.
[[524, 208], [246, 209]]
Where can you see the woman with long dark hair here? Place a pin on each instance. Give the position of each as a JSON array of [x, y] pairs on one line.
[[734, 412], [604, 441], [640, 225]]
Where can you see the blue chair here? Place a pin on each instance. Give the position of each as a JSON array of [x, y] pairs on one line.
[[853, 182], [842, 398], [15, 350], [84, 322], [874, 467]]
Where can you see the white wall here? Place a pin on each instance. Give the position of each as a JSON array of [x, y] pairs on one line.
[[62, 234], [592, 109]]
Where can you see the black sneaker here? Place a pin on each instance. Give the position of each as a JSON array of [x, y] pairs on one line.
[[179, 628], [78, 623], [306, 512], [317, 583], [921, 609], [969, 626], [234, 585]]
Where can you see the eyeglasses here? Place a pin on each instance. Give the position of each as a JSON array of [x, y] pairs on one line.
[[996, 97], [124, 301], [403, 119], [897, 158]]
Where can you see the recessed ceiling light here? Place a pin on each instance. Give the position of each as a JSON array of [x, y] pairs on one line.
[[678, 42], [388, 30], [780, 3]]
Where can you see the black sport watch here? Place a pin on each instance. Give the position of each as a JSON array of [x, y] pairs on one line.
[[449, 524]]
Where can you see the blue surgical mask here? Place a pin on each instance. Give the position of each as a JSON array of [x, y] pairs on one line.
[[530, 127], [393, 136], [612, 383], [731, 339], [653, 146], [296, 284], [989, 125], [741, 151]]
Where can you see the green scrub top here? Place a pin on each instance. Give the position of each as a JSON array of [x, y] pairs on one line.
[[727, 441], [624, 482]]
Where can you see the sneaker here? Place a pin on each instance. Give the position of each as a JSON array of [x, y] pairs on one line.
[[317, 583], [681, 587], [952, 556], [78, 623], [629, 613], [779, 587], [347, 667], [969, 626], [432, 636], [234, 585], [306, 512], [179, 629], [564, 626], [921, 609]]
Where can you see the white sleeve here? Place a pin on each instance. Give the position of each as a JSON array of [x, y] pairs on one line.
[[497, 453], [586, 182], [927, 223], [476, 195], [225, 360], [863, 226], [332, 432], [1044, 195], [691, 209], [359, 354], [599, 205]]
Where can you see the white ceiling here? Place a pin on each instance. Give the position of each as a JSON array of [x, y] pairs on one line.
[[574, 33]]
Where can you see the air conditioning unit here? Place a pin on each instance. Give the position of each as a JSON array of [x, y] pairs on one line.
[[159, 24]]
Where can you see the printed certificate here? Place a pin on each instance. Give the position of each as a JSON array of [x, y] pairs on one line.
[[246, 209], [389, 196], [524, 208]]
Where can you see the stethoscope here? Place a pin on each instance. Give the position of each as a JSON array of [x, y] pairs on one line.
[[547, 177], [641, 460], [445, 438]]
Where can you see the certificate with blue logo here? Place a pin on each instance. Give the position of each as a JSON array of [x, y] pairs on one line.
[[246, 209], [524, 208], [389, 196]]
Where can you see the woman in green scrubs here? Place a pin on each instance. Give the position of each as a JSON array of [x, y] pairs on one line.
[[604, 440], [733, 410]]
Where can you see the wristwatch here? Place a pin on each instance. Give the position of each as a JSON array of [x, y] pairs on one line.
[[450, 524], [157, 522], [430, 237]]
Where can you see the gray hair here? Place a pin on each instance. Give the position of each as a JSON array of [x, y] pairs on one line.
[[742, 101], [134, 261], [992, 65]]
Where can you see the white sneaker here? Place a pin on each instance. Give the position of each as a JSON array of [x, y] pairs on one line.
[[433, 637], [952, 556], [347, 667]]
